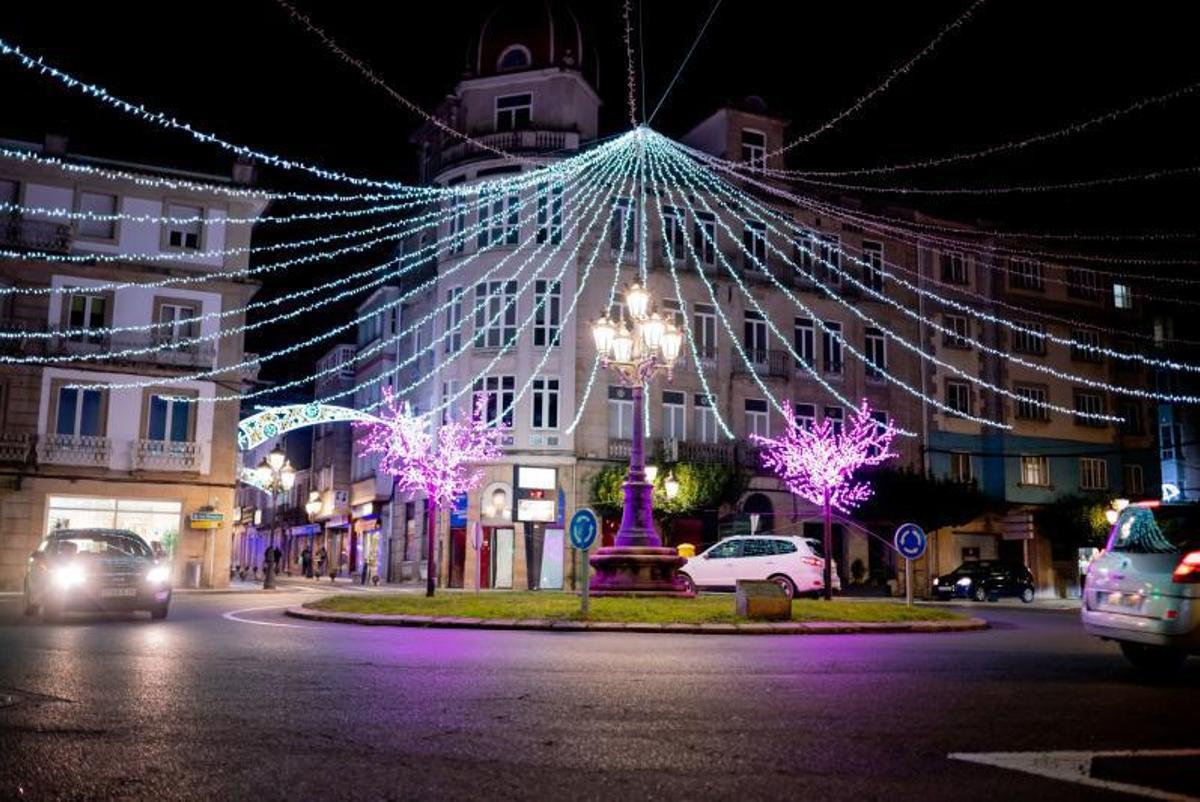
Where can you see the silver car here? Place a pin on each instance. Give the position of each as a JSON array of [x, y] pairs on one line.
[[1143, 589]]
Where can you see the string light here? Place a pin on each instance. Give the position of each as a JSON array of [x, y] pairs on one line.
[[630, 76], [125, 217]]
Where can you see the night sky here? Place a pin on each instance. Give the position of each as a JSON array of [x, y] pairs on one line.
[[242, 69]]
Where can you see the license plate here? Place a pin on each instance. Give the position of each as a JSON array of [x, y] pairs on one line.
[[109, 593], [1115, 598]]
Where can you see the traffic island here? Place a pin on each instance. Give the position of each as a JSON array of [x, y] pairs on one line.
[[705, 614]]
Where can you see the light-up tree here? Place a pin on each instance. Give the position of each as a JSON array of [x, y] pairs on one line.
[[441, 463], [818, 463]]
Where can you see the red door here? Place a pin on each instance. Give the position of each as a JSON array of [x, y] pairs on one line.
[[485, 559]]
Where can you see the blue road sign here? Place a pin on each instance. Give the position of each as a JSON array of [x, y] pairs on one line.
[[910, 541], [584, 528]]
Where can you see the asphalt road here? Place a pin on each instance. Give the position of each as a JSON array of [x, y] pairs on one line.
[[206, 706]]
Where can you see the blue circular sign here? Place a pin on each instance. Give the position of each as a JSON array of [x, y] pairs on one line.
[[910, 541], [583, 528]]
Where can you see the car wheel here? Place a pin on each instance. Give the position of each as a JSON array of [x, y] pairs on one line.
[[1027, 595], [980, 594], [29, 608], [1157, 659], [688, 585], [789, 587], [158, 613]]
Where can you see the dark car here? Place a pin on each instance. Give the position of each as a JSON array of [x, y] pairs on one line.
[[95, 569], [982, 580]]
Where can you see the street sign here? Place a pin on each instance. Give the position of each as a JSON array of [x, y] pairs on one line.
[[584, 528], [910, 541]]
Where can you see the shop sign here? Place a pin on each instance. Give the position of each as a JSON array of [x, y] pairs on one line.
[[536, 489], [206, 519], [458, 511], [363, 510], [341, 499]]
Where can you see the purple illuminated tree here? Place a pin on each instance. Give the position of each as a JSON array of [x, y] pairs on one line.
[[442, 463], [818, 463]]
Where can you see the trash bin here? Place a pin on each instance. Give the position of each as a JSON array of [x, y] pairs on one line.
[[687, 550], [192, 576]]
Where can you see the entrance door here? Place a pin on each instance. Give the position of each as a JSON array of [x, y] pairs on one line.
[[484, 566], [502, 558], [458, 555]]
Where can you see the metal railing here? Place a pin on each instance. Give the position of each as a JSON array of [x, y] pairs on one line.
[[776, 364], [720, 453], [34, 235], [167, 455], [15, 447], [165, 353], [74, 449]]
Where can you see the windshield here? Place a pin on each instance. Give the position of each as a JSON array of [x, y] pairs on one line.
[[1165, 530], [100, 544]]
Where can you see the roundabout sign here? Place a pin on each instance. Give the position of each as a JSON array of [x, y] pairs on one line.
[[910, 542]]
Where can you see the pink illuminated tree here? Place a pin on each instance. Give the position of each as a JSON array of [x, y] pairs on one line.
[[819, 463], [442, 463]]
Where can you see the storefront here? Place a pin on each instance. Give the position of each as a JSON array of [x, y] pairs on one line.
[[364, 541], [498, 542], [158, 522]]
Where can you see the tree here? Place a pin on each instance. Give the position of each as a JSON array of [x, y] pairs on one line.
[[905, 495], [819, 463], [441, 464], [703, 487]]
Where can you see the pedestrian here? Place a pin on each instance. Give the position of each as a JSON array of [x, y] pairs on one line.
[[306, 562], [322, 561], [269, 560], [278, 555]]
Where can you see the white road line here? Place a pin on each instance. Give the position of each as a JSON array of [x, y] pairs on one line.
[[232, 615], [1076, 767]]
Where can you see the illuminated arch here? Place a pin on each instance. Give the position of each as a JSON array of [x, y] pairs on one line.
[[262, 426]]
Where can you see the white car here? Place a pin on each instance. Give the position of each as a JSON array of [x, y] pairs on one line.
[[1143, 589], [796, 564]]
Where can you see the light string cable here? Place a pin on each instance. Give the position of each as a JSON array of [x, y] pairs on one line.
[[670, 158], [333, 332], [416, 224], [1071, 129], [630, 74], [742, 200], [1115, 354], [903, 69], [687, 57], [439, 247]]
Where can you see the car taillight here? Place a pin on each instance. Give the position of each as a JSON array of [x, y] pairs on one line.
[[815, 562], [1188, 569]]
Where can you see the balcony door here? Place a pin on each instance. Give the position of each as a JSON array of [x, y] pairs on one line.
[[80, 413]]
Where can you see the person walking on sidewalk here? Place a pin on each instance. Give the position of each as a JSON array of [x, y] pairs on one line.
[[306, 562], [322, 561]]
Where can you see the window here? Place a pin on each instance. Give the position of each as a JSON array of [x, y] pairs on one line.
[[457, 225], [1082, 283], [830, 257], [704, 331], [1035, 471], [454, 319], [1093, 473], [622, 228], [1030, 339], [1171, 437], [1084, 345], [754, 147], [1025, 274], [495, 313], [1132, 420], [514, 57], [169, 419], [449, 411], [496, 228], [1132, 480], [620, 413], [1122, 296], [872, 253], [757, 421], [805, 341], [1089, 404], [758, 547], [728, 550], [513, 112], [704, 237], [674, 419], [806, 416], [831, 347], [499, 391], [87, 312], [550, 213], [876, 354], [1031, 402], [674, 247], [958, 397], [954, 267], [754, 244], [184, 235], [705, 419], [961, 328], [177, 323], [755, 329], [545, 403], [673, 313], [101, 204], [79, 412], [548, 304], [960, 467], [836, 416]]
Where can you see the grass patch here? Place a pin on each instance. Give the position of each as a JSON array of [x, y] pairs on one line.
[[558, 606]]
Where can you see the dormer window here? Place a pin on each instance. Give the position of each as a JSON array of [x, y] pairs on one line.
[[513, 112], [514, 57], [754, 147]]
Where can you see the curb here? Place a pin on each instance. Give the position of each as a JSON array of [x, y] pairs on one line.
[[756, 628]]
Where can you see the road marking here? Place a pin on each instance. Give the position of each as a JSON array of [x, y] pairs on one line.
[[232, 615], [1076, 767]]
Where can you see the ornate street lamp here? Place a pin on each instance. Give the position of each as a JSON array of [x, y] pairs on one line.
[[276, 476], [637, 563], [671, 486]]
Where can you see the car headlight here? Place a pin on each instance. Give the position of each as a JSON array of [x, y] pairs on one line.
[[158, 574], [68, 576], [965, 581]]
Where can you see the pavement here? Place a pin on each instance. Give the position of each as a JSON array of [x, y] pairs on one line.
[[230, 699]]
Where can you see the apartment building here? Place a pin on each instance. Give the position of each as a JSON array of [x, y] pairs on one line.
[[135, 456]]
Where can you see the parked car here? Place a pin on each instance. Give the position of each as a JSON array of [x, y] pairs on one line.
[[984, 580], [1143, 589], [796, 564], [95, 569]]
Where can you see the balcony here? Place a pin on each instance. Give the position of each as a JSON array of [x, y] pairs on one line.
[[772, 364], [15, 447], [74, 449], [529, 142], [10, 344], [669, 450], [34, 235], [748, 456], [164, 354], [619, 448], [163, 455]]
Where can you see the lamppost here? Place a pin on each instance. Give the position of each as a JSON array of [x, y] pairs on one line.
[[637, 563], [276, 476]]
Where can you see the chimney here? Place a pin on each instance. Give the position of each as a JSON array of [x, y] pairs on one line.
[[55, 145], [243, 172]]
